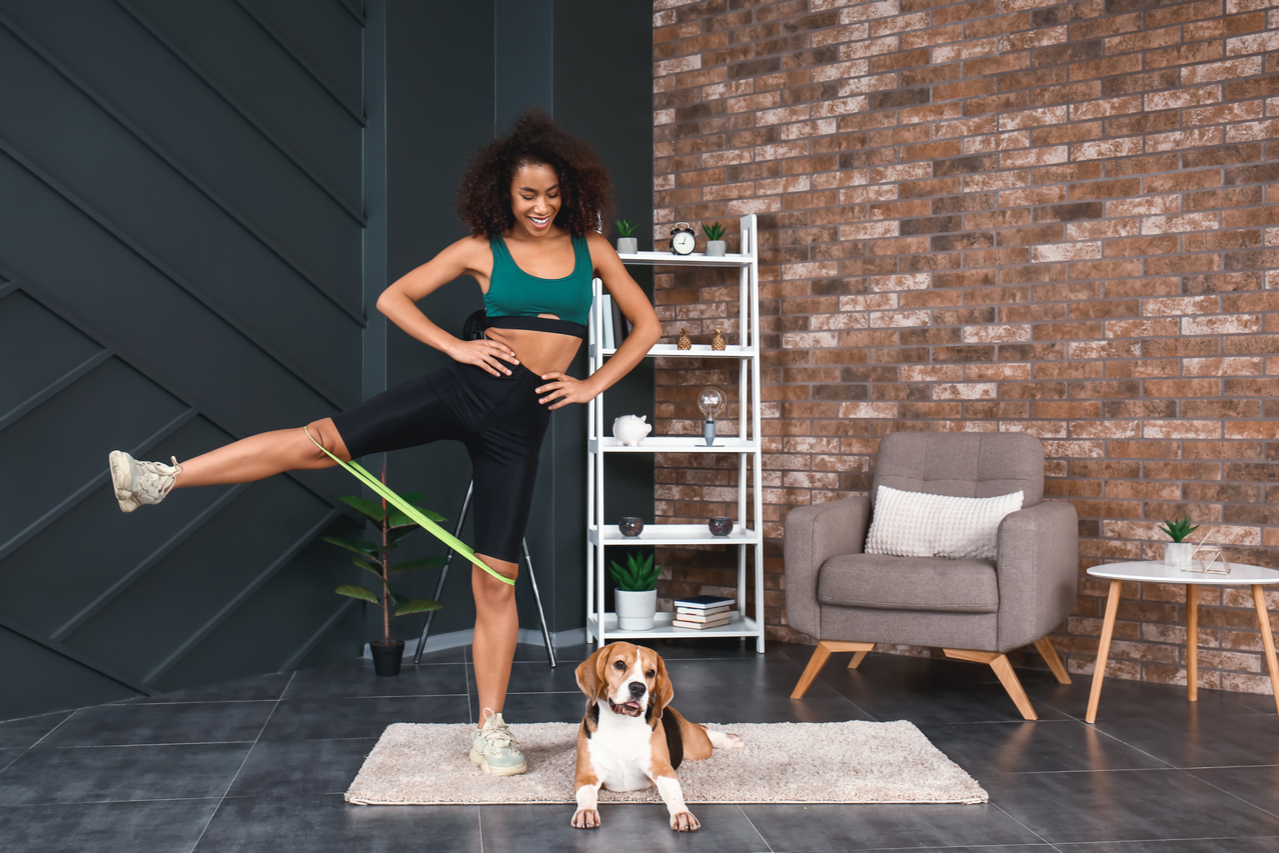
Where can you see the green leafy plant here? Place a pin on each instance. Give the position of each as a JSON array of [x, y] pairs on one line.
[[640, 575], [625, 228], [375, 558], [1178, 530], [714, 231]]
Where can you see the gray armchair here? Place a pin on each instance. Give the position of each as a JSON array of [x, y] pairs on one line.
[[975, 610]]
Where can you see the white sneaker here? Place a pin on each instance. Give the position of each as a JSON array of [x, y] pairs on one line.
[[139, 483], [494, 749]]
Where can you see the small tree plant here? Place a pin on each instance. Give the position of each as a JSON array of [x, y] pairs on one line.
[[640, 574], [1179, 530], [625, 228], [375, 558], [714, 231]]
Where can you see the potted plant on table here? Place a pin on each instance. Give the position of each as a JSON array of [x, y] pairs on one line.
[[715, 239], [375, 559], [627, 244], [636, 596], [1178, 553]]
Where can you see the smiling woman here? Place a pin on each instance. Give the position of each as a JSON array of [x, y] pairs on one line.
[[533, 199]]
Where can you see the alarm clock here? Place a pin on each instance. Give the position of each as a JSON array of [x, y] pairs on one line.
[[682, 239]]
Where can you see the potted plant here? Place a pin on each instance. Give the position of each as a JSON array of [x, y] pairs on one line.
[[626, 242], [715, 241], [375, 559], [636, 596], [1178, 552]]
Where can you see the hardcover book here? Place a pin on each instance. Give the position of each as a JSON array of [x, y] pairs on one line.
[[691, 616], [681, 623], [703, 602]]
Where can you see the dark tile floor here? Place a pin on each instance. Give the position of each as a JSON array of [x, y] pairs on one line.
[[260, 764]]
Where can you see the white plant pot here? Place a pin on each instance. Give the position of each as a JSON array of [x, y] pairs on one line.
[[1178, 554], [635, 609], [627, 245], [715, 248]]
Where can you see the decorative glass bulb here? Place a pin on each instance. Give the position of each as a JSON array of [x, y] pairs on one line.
[[711, 400]]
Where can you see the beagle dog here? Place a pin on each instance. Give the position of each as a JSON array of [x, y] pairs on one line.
[[631, 737]]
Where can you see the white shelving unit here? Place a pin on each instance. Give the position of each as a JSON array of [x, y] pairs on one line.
[[603, 533]]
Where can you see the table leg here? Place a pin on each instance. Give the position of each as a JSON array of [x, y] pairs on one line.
[[1268, 645], [1193, 637], [1104, 648]]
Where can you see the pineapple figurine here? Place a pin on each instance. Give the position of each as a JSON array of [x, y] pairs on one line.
[[684, 342], [717, 342]]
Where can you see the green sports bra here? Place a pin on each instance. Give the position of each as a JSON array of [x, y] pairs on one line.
[[514, 293]]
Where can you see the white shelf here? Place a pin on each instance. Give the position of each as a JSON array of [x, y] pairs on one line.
[[743, 443], [673, 534], [739, 626], [674, 444], [697, 259], [698, 351]]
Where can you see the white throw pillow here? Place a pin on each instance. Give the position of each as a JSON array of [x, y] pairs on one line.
[[916, 524]]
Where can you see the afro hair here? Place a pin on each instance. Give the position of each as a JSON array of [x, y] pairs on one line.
[[484, 197]]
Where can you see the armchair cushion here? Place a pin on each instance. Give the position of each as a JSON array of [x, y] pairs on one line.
[[909, 583], [968, 464], [917, 524]]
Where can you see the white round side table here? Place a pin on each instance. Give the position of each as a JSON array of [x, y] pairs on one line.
[[1158, 572]]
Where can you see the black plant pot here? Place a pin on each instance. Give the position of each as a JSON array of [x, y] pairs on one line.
[[386, 657]]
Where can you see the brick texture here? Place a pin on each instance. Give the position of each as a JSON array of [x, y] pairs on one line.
[[1049, 217]]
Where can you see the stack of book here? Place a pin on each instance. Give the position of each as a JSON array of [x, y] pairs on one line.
[[703, 611]]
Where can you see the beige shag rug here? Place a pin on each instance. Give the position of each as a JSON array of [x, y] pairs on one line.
[[853, 762]]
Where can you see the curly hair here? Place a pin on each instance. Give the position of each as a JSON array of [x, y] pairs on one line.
[[484, 197]]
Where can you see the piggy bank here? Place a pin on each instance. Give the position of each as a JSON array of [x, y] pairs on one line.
[[630, 430]]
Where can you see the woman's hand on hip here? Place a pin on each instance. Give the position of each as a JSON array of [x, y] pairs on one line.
[[564, 389], [485, 353]]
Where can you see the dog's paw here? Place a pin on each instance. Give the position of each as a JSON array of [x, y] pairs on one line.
[[724, 740], [590, 819], [684, 822]]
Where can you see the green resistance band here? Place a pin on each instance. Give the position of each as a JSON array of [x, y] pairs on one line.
[[410, 510]]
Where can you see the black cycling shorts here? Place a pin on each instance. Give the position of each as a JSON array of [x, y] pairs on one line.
[[497, 418]]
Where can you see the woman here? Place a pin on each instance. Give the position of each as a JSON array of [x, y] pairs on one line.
[[533, 199]]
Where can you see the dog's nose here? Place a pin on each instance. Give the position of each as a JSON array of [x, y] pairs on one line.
[[637, 689]]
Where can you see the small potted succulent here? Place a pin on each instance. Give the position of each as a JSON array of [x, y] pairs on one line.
[[375, 559], [1178, 553], [626, 240], [636, 596], [715, 239]]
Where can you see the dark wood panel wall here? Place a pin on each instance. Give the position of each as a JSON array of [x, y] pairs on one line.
[[182, 227], [199, 203]]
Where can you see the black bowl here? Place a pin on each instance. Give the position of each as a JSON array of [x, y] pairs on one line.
[[629, 525], [720, 526]]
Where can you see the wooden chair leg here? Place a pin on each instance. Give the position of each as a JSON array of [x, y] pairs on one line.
[[1004, 671], [819, 658], [858, 656], [1050, 655], [1268, 645]]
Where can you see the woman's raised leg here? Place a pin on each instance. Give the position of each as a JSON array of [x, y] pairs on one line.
[[244, 461], [260, 456]]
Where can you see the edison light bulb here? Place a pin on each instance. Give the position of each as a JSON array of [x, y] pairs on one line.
[[711, 400]]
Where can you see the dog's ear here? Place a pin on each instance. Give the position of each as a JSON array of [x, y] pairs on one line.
[[602, 663], [663, 692], [588, 675]]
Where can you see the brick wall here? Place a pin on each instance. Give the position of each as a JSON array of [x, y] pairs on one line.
[[1057, 218]]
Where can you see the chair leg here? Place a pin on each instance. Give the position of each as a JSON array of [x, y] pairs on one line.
[[1004, 671], [1050, 655], [819, 658]]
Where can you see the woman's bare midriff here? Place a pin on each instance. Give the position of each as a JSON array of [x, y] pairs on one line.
[[540, 352]]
